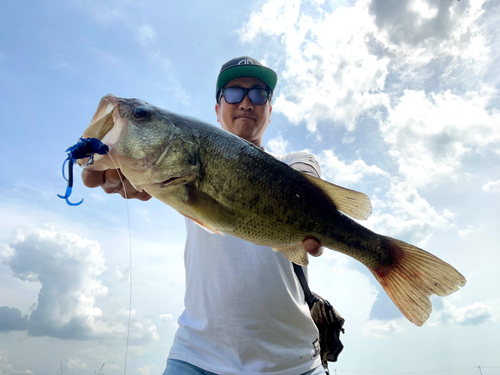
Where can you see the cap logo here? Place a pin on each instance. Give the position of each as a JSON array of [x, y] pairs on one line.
[[245, 62]]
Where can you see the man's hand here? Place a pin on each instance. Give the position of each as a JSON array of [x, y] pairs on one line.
[[313, 247], [110, 182]]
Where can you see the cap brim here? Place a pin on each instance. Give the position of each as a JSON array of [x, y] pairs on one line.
[[266, 75]]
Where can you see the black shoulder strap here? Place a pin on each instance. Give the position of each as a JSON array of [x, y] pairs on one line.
[[310, 299]]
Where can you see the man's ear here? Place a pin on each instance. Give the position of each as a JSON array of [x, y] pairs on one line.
[[217, 109]]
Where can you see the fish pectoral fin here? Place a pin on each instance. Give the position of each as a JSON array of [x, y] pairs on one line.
[[295, 254], [351, 202], [210, 213], [205, 226]]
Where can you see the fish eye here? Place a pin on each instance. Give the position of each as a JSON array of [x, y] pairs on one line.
[[140, 112]]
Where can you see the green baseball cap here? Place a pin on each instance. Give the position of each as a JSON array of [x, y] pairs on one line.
[[245, 67]]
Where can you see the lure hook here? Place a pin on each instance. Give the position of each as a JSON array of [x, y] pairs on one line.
[[84, 148]]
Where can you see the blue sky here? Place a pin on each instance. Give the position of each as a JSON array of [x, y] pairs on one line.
[[398, 99]]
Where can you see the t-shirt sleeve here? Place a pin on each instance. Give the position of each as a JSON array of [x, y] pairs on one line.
[[305, 163]]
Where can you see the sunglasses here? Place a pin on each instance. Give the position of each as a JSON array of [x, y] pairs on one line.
[[234, 95]]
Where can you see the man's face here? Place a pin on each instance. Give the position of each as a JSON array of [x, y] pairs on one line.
[[245, 119]]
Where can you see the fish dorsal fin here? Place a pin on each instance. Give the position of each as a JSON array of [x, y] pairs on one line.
[[296, 254], [210, 213], [353, 203]]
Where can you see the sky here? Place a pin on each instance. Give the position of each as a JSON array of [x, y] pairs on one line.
[[398, 99]]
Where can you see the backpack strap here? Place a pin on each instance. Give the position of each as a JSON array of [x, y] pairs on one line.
[[311, 299]]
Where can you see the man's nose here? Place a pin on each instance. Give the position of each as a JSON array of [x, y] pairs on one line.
[[246, 104]]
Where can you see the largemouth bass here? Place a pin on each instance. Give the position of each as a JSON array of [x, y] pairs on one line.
[[229, 185]]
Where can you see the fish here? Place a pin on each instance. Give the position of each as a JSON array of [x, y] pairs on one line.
[[228, 185]]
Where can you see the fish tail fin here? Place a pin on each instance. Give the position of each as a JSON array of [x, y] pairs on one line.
[[414, 276]]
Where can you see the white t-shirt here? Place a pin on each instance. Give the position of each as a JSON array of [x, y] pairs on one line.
[[245, 311]]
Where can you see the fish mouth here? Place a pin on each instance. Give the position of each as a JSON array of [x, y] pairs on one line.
[[177, 180], [168, 181], [106, 124]]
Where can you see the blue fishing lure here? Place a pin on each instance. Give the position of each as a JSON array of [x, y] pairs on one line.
[[84, 148]]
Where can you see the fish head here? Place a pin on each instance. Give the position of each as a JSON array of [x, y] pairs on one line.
[[144, 142]]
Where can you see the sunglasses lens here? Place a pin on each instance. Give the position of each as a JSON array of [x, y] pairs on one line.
[[233, 95], [257, 96]]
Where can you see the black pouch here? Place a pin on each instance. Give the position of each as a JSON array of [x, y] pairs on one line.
[[328, 321], [330, 324]]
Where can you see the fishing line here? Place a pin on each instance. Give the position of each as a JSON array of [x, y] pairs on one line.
[[130, 263], [86, 148]]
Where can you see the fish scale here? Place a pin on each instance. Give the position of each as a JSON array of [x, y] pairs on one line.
[[284, 186]]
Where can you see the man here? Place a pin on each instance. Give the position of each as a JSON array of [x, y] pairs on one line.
[[244, 306]]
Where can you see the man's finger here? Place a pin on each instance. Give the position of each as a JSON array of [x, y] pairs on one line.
[[92, 179], [131, 192], [142, 196], [112, 182], [313, 247]]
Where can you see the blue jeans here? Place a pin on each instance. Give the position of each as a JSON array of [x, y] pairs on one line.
[[175, 367]]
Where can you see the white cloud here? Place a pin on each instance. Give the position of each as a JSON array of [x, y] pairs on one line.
[[107, 13], [381, 329], [146, 34], [122, 272], [419, 31], [76, 363], [144, 330], [468, 232], [148, 369], [6, 251], [492, 187], [68, 269], [66, 66], [103, 354], [328, 70], [275, 17], [404, 212], [474, 314], [166, 316], [278, 145], [334, 67], [8, 369], [341, 173], [429, 135], [424, 10]]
